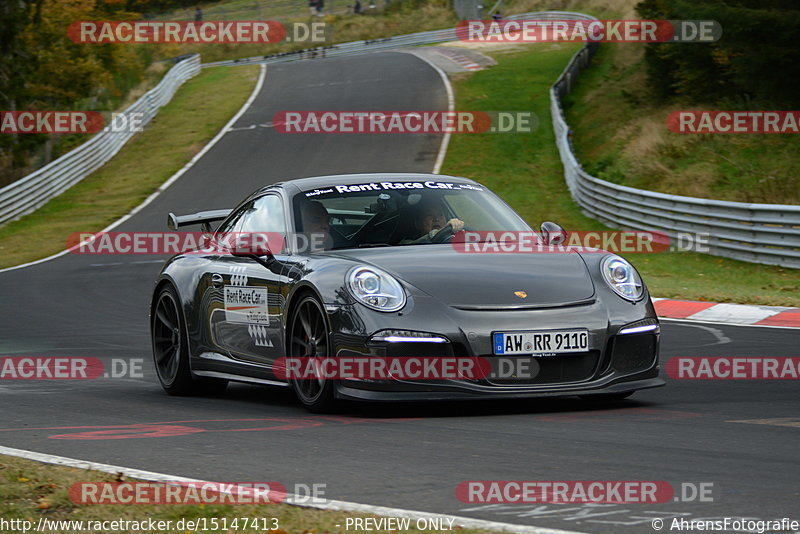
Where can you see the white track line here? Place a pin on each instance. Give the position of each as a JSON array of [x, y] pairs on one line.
[[172, 179], [465, 522], [443, 151], [332, 505], [436, 170], [451, 104]]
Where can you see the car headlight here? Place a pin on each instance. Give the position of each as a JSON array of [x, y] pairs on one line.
[[622, 278], [376, 289]]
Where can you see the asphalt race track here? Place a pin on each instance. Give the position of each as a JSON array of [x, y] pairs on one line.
[[741, 437]]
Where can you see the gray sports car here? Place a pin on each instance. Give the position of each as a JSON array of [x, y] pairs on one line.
[[395, 266]]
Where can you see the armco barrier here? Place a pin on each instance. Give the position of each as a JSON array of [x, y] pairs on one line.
[[388, 43], [35, 189], [759, 233], [762, 233]]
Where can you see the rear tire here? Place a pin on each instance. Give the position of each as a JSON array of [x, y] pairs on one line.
[[308, 338], [171, 349]]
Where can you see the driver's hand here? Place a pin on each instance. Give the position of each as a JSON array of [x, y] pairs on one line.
[[457, 224]]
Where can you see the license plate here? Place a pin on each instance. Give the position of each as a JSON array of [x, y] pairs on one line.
[[541, 342]]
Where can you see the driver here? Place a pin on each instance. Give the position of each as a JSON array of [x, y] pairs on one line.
[[430, 223], [316, 226]]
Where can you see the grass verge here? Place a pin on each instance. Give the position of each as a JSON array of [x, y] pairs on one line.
[[398, 18], [390, 19], [620, 134], [197, 112], [526, 171], [31, 491]]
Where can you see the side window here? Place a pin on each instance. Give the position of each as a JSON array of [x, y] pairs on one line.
[[231, 224], [256, 220], [263, 219], [263, 215]]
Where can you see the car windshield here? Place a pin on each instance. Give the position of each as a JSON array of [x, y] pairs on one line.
[[398, 213]]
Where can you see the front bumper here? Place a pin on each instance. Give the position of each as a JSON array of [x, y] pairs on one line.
[[614, 362], [456, 392]]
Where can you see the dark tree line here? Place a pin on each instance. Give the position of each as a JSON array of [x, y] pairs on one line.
[[41, 69], [757, 58]]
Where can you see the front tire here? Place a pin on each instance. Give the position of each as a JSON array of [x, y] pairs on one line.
[[171, 349], [308, 338]]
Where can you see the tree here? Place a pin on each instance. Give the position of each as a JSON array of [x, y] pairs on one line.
[[756, 58]]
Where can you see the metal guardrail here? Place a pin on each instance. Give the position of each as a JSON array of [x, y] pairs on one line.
[[759, 233], [345, 49], [35, 189], [267, 10], [374, 45]]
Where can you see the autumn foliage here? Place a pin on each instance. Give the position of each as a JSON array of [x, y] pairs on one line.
[[41, 69]]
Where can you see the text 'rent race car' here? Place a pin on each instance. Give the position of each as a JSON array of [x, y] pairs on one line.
[[367, 287]]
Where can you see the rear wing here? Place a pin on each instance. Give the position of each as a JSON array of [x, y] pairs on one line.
[[201, 217]]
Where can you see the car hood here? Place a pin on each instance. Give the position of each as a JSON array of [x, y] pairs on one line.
[[485, 281]]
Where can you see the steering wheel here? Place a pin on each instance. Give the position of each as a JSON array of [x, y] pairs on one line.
[[444, 235]]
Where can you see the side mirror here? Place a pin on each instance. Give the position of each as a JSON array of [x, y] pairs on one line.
[[553, 234], [255, 249], [248, 244]]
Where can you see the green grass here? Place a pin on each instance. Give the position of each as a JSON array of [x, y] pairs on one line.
[[197, 112], [620, 135], [31, 491], [397, 19], [523, 168], [526, 171], [259, 9]]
